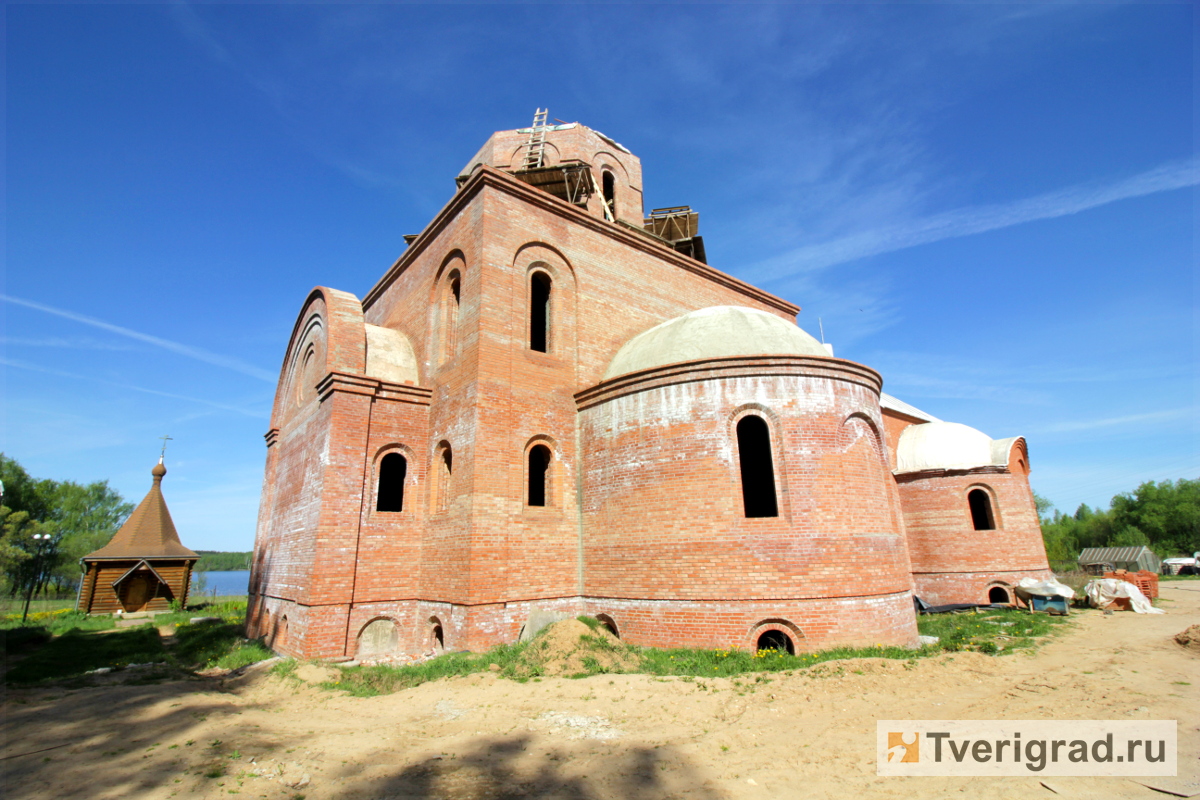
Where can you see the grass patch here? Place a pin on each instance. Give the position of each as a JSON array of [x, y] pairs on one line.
[[285, 668], [67, 644], [76, 652], [988, 631], [371, 681], [520, 661], [59, 621], [1179, 577]]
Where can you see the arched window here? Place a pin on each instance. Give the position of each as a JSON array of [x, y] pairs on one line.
[[610, 194], [451, 300], [389, 495], [758, 471], [444, 467], [539, 474], [998, 594], [539, 312], [982, 516]]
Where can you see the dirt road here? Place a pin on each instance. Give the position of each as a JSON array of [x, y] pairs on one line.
[[810, 735]]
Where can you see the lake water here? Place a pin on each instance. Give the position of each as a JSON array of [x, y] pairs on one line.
[[225, 582]]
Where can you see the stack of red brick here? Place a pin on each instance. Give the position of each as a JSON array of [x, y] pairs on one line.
[[1145, 580]]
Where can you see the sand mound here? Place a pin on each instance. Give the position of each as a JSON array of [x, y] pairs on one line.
[[570, 647], [1190, 638]]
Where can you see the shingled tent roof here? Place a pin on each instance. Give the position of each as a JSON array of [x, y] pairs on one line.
[[149, 531]]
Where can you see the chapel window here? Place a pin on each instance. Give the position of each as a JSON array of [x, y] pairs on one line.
[[389, 495], [540, 287], [982, 517], [758, 471]]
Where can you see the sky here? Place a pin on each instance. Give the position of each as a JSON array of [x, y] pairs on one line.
[[992, 205]]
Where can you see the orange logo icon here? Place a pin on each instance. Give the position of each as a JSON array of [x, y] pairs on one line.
[[904, 747]]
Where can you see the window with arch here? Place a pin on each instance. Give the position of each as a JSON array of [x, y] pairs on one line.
[[389, 493], [540, 288], [451, 301], [538, 470], [757, 465], [983, 518], [444, 470], [609, 188]]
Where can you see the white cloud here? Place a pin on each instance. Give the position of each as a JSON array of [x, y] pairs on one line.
[[979, 219]]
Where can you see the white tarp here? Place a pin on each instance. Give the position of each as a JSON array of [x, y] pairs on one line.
[[1029, 587], [1103, 591]]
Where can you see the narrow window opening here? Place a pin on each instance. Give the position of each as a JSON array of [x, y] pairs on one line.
[[393, 468], [450, 308], [610, 194], [998, 594], [445, 472], [981, 510], [439, 640], [758, 471], [539, 312], [539, 470], [777, 641]]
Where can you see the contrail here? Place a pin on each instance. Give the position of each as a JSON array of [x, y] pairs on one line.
[[968, 221], [34, 368], [175, 347]]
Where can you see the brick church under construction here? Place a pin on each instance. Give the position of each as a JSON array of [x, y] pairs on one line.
[[551, 404]]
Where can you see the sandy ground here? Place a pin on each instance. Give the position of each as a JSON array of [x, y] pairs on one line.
[[810, 735]]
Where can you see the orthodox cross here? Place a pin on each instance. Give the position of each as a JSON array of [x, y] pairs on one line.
[[164, 449]]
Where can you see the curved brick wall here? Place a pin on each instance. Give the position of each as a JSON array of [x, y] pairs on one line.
[[670, 554], [951, 561]]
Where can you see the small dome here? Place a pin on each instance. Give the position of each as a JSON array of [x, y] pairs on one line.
[[947, 445], [159, 470], [390, 356], [717, 332]]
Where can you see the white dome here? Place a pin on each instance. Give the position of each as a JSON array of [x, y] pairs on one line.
[[948, 445], [717, 332]]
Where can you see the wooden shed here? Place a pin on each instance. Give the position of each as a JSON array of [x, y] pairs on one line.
[[144, 567]]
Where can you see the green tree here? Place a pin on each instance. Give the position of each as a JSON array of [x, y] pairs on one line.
[[1164, 516], [81, 518], [1167, 512]]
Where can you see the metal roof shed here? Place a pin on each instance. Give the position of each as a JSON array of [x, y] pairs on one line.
[[1130, 558]]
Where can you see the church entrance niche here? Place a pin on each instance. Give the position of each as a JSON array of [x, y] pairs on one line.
[[378, 637], [138, 591]]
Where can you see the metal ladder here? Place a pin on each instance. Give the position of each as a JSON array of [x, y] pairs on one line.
[[536, 146]]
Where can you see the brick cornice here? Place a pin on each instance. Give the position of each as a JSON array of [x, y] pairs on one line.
[[486, 176], [722, 368], [348, 383], [907, 477]]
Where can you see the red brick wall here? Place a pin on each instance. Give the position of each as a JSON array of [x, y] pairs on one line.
[[951, 561], [643, 520]]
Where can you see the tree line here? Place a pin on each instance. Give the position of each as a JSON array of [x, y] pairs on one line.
[[68, 519], [219, 561], [1164, 516]]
